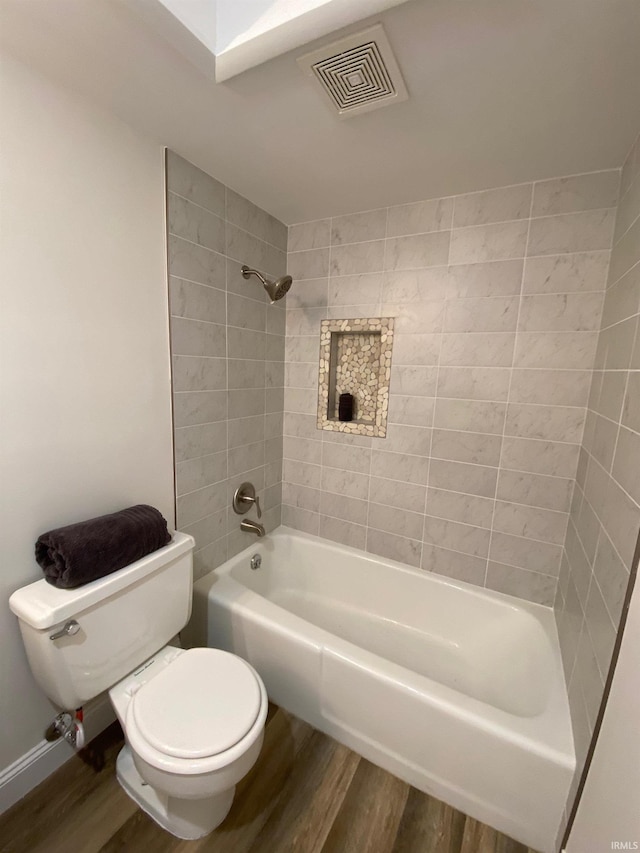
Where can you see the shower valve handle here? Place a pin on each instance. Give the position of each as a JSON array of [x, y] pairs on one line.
[[243, 499]]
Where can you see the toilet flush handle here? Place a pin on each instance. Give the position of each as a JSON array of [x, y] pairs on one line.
[[68, 630]]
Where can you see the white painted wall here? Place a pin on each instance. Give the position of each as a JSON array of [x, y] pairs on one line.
[[609, 809], [85, 419]]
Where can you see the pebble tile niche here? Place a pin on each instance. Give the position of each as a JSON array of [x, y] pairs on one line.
[[355, 358]]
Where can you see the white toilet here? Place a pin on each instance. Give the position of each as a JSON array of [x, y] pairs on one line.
[[193, 720]]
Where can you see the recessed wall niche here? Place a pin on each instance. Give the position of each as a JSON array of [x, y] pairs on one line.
[[355, 358]]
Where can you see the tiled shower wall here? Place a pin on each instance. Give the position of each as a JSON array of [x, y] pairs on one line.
[[605, 511], [498, 298], [228, 351]]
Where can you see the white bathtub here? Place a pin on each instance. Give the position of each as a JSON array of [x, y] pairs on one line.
[[457, 690]]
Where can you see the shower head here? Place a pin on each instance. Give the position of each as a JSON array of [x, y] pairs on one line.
[[276, 289]]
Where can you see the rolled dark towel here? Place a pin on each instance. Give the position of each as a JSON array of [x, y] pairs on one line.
[[80, 553]]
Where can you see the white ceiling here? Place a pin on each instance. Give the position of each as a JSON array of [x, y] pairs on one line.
[[501, 91]]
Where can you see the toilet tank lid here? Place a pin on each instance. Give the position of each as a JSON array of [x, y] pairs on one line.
[[42, 605]]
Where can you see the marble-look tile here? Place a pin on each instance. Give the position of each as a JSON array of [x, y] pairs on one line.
[[612, 577], [244, 248], [530, 522], [585, 271], [414, 318], [300, 519], [410, 469], [567, 312], [550, 387], [196, 301], [302, 400], [601, 629], [198, 473], [455, 506], [405, 439], [312, 263], [533, 586], [455, 536], [194, 223], [477, 349], [346, 458], [540, 457], [246, 313], [274, 374], [246, 215], [630, 167], [245, 343], [622, 299], [355, 289], [397, 521], [305, 321], [562, 350], [474, 383], [192, 373], [347, 483], [358, 227], [535, 490], [304, 348], [308, 293], [481, 243], [346, 507], [495, 205], [491, 278], [394, 547], [626, 463], [631, 406], [419, 350], [626, 252], [246, 458], [245, 373], [498, 314], [473, 415], [246, 430], [401, 495], [529, 554], [244, 403], [304, 497], [199, 407], [463, 477], [195, 263], [571, 232], [413, 379], [193, 184], [411, 411], [342, 531], [309, 235], [200, 440], [194, 337], [628, 210], [421, 285], [301, 473], [420, 217], [207, 530], [579, 192], [201, 503], [301, 375], [453, 564], [552, 423], [479, 448], [301, 426], [417, 251], [355, 258]]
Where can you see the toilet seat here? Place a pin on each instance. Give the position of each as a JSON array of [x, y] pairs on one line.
[[199, 713]]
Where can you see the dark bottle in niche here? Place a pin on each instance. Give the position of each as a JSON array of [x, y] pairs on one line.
[[345, 407]]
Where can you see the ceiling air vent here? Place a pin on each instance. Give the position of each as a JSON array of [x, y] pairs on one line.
[[358, 73]]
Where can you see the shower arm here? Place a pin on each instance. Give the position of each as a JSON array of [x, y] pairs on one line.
[[247, 271]]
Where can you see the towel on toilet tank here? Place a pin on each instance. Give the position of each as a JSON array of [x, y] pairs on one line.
[[80, 553]]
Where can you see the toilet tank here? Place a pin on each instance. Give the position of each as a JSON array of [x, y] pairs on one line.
[[124, 619]]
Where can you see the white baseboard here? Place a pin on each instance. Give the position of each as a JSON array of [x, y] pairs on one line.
[[34, 766]]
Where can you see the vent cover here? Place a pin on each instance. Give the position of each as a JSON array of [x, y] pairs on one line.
[[358, 73]]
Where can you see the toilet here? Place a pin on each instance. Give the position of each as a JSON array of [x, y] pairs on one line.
[[193, 719]]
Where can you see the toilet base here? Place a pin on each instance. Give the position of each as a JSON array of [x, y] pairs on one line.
[[186, 819]]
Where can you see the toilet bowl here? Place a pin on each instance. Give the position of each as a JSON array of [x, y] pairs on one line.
[[194, 724], [193, 720]]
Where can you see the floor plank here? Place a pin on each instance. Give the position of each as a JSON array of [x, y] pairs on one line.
[[370, 813], [429, 826], [306, 794]]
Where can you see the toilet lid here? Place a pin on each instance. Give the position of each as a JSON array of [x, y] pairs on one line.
[[201, 704]]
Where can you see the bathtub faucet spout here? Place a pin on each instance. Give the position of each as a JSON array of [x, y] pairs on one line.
[[252, 527]]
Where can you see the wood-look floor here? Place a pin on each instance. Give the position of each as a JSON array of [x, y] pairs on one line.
[[306, 794]]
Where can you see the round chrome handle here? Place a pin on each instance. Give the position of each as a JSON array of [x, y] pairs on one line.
[[68, 630]]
